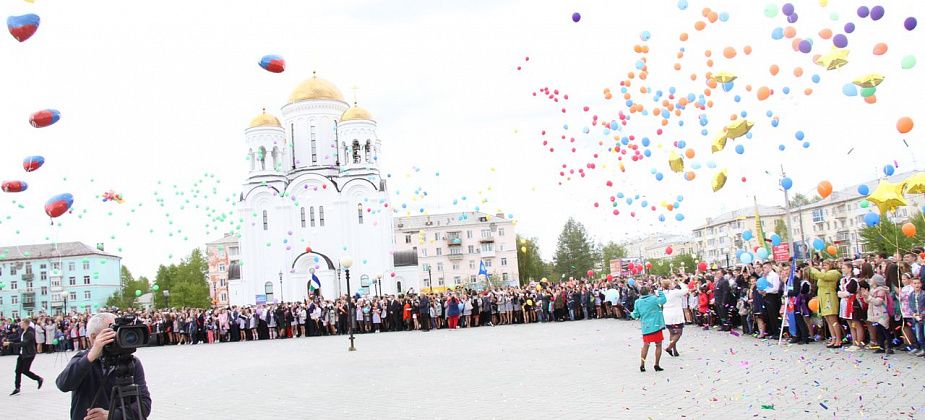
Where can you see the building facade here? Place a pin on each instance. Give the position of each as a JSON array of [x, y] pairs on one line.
[[451, 248], [222, 256], [720, 237], [56, 278], [313, 195], [653, 246]]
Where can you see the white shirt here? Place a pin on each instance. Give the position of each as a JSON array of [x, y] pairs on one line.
[[773, 282]]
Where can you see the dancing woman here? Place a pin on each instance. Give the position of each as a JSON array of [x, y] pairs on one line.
[[648, 310]]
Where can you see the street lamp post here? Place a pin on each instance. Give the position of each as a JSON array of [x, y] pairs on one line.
[[281, 299], [166, 298], [347, 262], [379, 285]]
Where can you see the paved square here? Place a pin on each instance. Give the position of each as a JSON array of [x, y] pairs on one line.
[[583, 369]]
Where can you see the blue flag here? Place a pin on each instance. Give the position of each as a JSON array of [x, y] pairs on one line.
[[315, 284], [482, 270]]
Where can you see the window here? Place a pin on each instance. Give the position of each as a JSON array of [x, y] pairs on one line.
[[232, 251], [221, 267], [423, 252], [72, 296], [439, 251], [468, 234], [398, 286], [1, 300], [457, 280], [311, 215], [360, 213], [28, 268], [356, 152], [224, 297], [488, 247], [268, 290], [486, 233], [455, 250], [55, 266], [320, 216], [368, 151], [500, 231], [43, 275], [500, 247], [72, 281], [504, 262], [56, 281], [86, 279], [436, 236], [472, 265], [471, 249], [15, 314], [265, 220], [303, 216], [472, 278], [487, 263], [314, 145], [44, 290], [14, 299], [221, 282], [86, 265], [86, 294], [14, 285], [407, 239], [43, 266], [28, 285], [439, 266], [71, 266], [504, 276], [427, 282], [455, 266], [425, 267], [440, 281]]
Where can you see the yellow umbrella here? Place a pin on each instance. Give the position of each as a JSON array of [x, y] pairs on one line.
[[869, 81], [675, 162], [738, 128], [719, 180], [888, 196], [915, 184], [834, 59], [724, 77], [719, 144]]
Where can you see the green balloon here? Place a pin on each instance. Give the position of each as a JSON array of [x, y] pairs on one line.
[[908, 62], [155, 288], [770, 10], [137, 292], [865, 92], [865, 204], [54, 342]]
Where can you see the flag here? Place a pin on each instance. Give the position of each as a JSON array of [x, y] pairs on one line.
[[759, 232], [315, 284], [482, 270]]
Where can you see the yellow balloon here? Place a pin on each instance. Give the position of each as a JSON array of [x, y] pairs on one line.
[[888, 196], [523, 249], [675, 162]]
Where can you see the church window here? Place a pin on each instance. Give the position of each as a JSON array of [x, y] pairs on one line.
[[264, 220], [311, 214], [356, 151], [314, 145], [261, 157], [360, 213], [268, 290], [250, 157], [277, 160], [303, 216], [321, 216], [368, 150]]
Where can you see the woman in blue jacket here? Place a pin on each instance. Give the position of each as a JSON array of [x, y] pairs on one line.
[[648, 310]]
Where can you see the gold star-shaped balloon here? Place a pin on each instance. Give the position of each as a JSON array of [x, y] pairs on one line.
[[719, 180], [719, 144], [834, 59], [724, 77], [888, 196], [869, 80], [915, 184], [675, 162], [738, 128]]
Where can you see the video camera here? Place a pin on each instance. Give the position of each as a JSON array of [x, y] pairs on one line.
[[129, 337]]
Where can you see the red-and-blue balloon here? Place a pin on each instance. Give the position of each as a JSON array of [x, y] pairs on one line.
[[59, 205], [23, 27], [32, 163], [14, 186], [273, 63], [44, 118]]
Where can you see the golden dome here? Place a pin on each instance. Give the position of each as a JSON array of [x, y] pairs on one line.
[[264, 120], [315, 88], [356, 113]]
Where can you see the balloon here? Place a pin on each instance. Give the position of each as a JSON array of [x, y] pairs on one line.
[[273, 63], [818, 244], [631, 282], [609, 277], [786, 183], [909, 230], [702, 266], [668, 251], [590, 273], [880, 48], [14, 186], [611, 295], [747, 235], [54, 342], [824, 189], [58, 204], [675, 162], [888, 196], [787, 9], [679, 217], [738, 128], [44, 118], [770, 10], [863, 189], [888, 170], [740, 149], [762, 253], [805, 46], [910, 23], [876, 12], [719, 180], [831, 250], [863, 11], [904, 125], [763, 283], [155, 288], [833, 59], [775, 239], [813, 305], [32, 163], [908, 62], [576, 17], [840, 40], [137, 292], [869, 80], [23, 27], [745, 258], [849, 89]]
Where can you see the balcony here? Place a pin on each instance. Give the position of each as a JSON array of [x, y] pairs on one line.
[[487, 238], [453, 240], [456, 257], [28, 276], [28, 300], [487, 254]]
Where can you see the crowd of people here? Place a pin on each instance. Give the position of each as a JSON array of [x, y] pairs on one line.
[[874, 303]]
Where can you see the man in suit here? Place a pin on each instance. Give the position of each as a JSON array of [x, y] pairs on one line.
[[25, 348], [424, 313]]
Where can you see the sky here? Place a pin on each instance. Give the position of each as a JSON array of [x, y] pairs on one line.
[[154, 98]]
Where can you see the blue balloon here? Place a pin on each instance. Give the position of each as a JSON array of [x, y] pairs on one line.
[[747, 235], [787, 183], [631, 282], [762, 253], [781, 147], [799, 135], [863, 189], [888, 170], [740, 149], [679, 217], [727, 86], [763, 283], [818, 244], [777, 33], [659, 176], [775, 240], [746, 258], [661, 218], [872, 219]]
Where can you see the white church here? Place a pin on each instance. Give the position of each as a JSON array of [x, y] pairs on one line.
[[313, 196]]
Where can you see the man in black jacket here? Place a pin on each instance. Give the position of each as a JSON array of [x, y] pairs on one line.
[[25, 348], [424, 313]]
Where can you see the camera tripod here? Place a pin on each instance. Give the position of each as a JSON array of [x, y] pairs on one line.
[[125, 393]]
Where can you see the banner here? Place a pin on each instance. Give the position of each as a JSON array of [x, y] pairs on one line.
[[781, 252]]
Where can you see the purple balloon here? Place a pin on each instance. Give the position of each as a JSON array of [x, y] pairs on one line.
[[849, 27], [787, 9], [792, 18], [863, 11], [877, 12], [576, 17], [840, 40], [805, 46], [910, 23]]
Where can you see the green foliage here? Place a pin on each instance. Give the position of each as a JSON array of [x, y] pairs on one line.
[[888, 236], [575, 252], [664, 266], [530, 264], [611, 251], [186, 283], [780, 228], [125, 298]]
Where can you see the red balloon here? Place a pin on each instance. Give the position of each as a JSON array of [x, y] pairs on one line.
[[590, 273], [308, 249], [702, 266], [668, 250], [609, 277]]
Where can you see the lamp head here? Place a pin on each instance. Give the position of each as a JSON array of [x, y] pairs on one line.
[[346, 261]]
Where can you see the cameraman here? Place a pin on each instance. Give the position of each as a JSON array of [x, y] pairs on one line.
[[91, 383]]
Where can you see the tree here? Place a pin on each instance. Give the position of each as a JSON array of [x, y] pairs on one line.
[[575, 253], [125, 298], [800, 200], [186, 282], [611, 251], [887, 236], [780, 228], [664, 266], [530, 264]]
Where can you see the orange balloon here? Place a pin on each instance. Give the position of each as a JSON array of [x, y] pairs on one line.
[[909, 230], [729, 52], [832, 250], [690, 175], [712, 16], [790, 32], [683, 36], [699, 25], [670, 207], [904, 125], [689, 153], [795, 44], [709, 63], [880, 48], [824, 189], [808, 91], [774, 69], [872, 99], [763, 93], [707, 53], [813, 305], [798, 71], [825, 33]]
